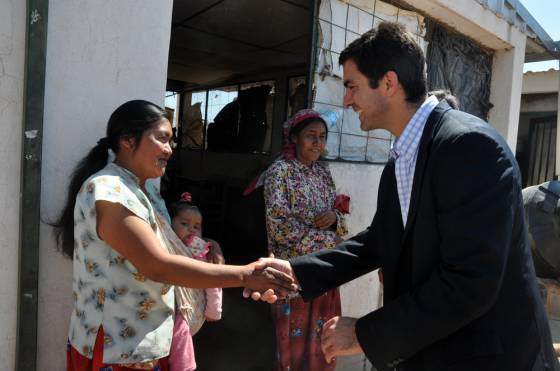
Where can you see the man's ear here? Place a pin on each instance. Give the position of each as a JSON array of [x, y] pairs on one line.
[[390, 83]]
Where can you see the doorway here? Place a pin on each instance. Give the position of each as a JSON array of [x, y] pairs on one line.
[[237, 69]]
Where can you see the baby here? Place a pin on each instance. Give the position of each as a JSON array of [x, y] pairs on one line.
[[186, 221]]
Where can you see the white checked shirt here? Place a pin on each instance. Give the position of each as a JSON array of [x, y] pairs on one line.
[[405, 152]]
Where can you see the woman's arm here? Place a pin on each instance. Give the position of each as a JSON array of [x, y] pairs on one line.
[[133, 238]]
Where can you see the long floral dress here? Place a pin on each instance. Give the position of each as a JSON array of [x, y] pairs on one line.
[[294, 195]]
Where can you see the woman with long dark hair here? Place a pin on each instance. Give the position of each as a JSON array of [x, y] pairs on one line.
[[116, 229]]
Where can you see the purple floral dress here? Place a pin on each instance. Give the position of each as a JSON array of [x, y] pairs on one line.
[[294, 195]]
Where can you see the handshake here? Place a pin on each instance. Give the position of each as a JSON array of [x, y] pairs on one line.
[[273, 279]]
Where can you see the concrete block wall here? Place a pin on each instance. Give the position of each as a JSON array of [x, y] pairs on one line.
[[100, 54]]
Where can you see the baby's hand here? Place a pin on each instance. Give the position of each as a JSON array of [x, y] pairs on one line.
[[215, 255]]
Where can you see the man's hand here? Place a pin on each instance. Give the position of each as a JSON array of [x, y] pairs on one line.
[[325, 220], [215, 255], [270, 295], [269, 279], [338, 338]]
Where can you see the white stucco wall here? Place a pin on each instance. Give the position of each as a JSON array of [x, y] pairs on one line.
[[361, 296], [100, 54], [534, 103], [12, 62], [506, 86], [541, 82], [361, 183]]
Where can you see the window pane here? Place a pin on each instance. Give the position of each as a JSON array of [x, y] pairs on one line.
[[378, 150], [333, 146], [218, 99], [222, 118], [192, 126], [171, 106], [256, 103], [353, 148], [351, 123], [199, 97], [297, 95], [332, 115]]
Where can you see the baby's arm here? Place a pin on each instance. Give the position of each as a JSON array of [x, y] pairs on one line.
[[213, 311]]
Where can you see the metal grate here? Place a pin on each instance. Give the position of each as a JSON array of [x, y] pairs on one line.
[[542, 156], [338, 24]]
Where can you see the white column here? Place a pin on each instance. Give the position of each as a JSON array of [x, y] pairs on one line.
[[12, 70], [505, 89], [100, 54]]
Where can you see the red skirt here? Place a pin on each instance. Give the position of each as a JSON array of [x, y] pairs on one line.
[[298, 332], [78, 362]]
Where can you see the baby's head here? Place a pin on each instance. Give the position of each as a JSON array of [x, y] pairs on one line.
[[186, 219]]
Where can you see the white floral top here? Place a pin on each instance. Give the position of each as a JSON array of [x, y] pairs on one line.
[[135, 312]]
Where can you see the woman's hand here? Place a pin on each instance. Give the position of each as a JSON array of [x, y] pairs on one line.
[[263, 278], [325, 220], [215, 255]]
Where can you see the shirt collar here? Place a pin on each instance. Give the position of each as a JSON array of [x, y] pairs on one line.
[[127, 172], [304, 167], [406, 145]]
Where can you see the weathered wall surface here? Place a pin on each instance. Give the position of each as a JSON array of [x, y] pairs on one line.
[[534, 103], [540, 82], [12, 62], [100, 54], [361, 296]]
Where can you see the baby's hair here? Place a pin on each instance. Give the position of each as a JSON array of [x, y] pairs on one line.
[[445, 94], [184, 203]]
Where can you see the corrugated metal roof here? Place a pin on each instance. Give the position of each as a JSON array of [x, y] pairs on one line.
[[517, 15]]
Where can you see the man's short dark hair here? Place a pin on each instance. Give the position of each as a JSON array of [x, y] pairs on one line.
[[390, 47]]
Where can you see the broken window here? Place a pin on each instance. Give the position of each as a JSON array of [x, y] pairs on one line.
[[230, 60]]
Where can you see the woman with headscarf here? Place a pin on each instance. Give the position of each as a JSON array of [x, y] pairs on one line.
[[301, 217]]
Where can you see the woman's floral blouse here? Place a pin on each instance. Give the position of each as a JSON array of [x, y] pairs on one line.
[[135, 312], [294, 195]]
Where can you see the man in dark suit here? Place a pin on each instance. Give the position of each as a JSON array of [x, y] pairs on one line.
[[449, 234]]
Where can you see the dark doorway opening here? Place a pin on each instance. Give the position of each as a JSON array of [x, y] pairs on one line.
[[237, 69], [536, 144], [541, 159]]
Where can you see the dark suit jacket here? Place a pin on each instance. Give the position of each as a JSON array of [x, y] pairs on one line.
[[460, 291]]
